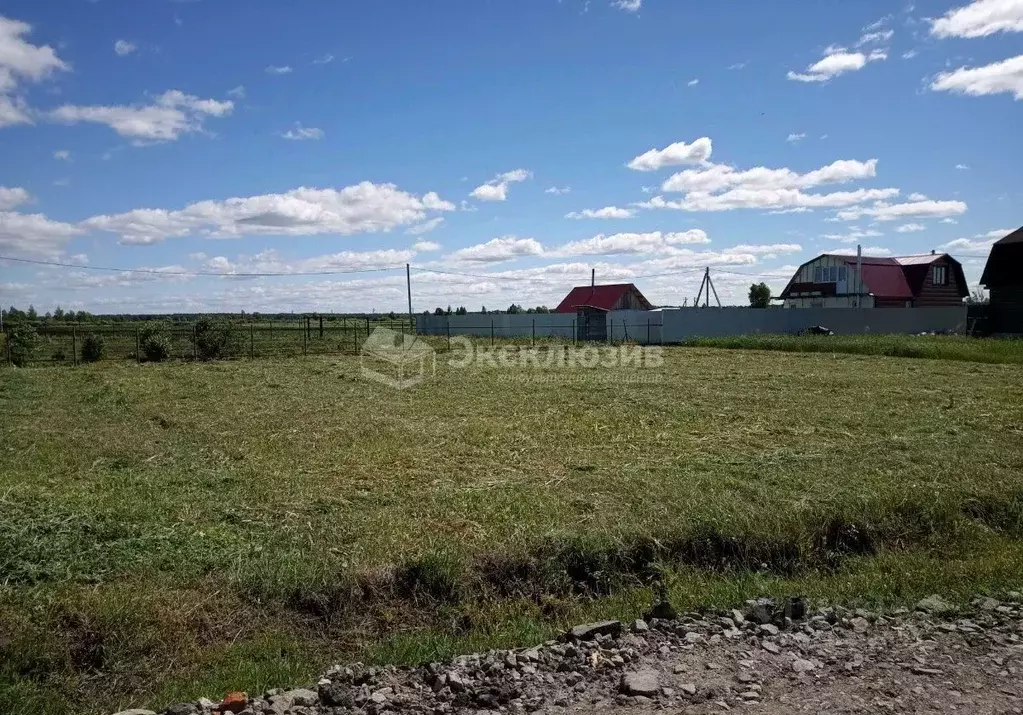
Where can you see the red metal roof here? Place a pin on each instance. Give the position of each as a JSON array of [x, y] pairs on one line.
[[605, 297]]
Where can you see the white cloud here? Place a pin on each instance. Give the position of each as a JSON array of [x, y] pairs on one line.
[[837, 61], [171, 114], [426, 246], [737, 66], [882, 211], [980, 18], [361, 208], [34, 235], [237, 92], [875, 251], [916, 196], [909, 54], [271, 261], [497, 188], [275, 70], [795, 210], [123, 48], [62, 155], [796, 137], [630, 243], [948, 220], [300, 133], [558, 191], [324, 60], [875, 38], [962, 167], [721, 176], [498, 250], [11, 197], [742, 198], [980, 242], [425, 227], [673, 155], [608, 212], [854, 235], [910, 228], [21, 61], [771, 249], [995, 78], [628, 5], [693, 82]]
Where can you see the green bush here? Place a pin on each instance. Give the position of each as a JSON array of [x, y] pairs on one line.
[[22, 340], [154, 342], [211, 339], [92, 347]]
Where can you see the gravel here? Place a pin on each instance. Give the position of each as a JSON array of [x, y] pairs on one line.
[[770, 658]]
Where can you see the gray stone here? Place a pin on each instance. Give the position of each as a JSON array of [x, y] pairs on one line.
[[136, 711], [770, 647], [182, 709], [760, 610], [936, 605], [456, 683], [302, 697], [640, 626], [737, 616], [768, 629], [801, 665], [688, 688], [590, 631], [336, 695], [643, 683], [860, 625], [206, 704]]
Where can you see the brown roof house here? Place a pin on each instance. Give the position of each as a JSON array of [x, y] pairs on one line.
[[841, 281], [1003, 277]]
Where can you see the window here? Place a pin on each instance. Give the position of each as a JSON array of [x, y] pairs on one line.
[[940, 276], [817, 275], [841, 273]]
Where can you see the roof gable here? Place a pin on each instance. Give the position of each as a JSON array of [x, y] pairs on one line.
[[604, 297]]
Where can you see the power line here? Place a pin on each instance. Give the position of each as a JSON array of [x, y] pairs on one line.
[[154, 271]]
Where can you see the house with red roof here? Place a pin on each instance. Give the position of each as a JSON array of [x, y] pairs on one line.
[[592, 303], [842, 281]]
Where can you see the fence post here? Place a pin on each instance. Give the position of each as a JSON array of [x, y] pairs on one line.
[[138, 347], [74, 344], [491, 333], [321, 327], [252, 342], [648, 331]]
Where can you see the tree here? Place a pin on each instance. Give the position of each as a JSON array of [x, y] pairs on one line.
[[483, 310], [438, 311], [461, 310], [759, 295], [58, 313], [31, 314], [449, 310], [513, 309]]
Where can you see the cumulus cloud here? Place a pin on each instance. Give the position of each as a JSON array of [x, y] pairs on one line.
[[875, 38], [11, 197], [693, 82], [743, 198], [982, 242], [497, 188], [33, 235], [300, 133], [498, 250], [21, 61], [995, 78], [361, 208], [558, 191], [836, 62], [910, 228], [170, 115], [962, 167], [630, 243], [62, 155], [875, 251], [272, 261], [608, 212], [796, 137], [883, 211], [426, 246], [278, 70], [980, 18], [123, 48], [853, 235], [673, 155]]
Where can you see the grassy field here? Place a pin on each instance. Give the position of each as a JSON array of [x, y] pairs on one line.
[[173, 530]]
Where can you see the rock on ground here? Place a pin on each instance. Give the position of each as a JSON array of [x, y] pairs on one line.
[[932, 659]]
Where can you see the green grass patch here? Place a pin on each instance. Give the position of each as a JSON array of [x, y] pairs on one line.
[[172, 530]]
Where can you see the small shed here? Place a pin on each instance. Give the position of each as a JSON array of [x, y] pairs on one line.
[[1003, 277], [591, 304]]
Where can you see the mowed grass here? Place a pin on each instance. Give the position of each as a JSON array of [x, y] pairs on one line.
[[935, 347], [173, 530]]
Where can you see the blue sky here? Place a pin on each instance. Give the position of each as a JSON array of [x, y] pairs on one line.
[[519, 142]]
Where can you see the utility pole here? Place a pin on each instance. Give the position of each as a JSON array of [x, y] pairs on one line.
[[593, 278], [859, 275], [710, 287], [408, 284]]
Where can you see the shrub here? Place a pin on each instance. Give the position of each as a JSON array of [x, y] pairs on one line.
[[211, 339], [154, 342], [92, 348], [22, 340]]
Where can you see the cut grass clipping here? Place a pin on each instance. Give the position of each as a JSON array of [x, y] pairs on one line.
[[175, 530]]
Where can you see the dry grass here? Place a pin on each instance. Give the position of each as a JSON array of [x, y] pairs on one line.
[[169, 530]]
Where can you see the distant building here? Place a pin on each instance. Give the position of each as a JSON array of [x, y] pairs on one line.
[[590, 304], [1003, 277], [831, 281]]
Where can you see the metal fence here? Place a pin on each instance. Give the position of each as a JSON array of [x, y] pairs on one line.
[[540, 331], [62, 344]]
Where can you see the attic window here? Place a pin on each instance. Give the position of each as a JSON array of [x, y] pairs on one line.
[[940, 276]]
